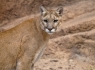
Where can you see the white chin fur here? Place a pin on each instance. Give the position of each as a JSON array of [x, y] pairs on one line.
[[50, 33]]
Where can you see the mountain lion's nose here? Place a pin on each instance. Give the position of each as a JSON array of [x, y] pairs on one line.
[[50, 29]]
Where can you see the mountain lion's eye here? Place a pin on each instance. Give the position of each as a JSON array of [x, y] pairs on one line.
[[55, 21], [46, 21]]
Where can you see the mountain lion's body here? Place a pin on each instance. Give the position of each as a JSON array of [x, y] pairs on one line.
[[22, 46]]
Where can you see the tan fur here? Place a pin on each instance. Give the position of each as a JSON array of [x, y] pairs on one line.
[[22, 46]]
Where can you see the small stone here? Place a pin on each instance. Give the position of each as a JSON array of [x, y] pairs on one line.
[[71, 60]]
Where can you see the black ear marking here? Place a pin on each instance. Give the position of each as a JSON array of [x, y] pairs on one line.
[[60, 10]]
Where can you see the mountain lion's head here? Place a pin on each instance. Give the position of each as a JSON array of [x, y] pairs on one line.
[[50, 19]]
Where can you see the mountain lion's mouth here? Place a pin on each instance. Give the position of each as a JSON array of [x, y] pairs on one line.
[[50, 31]]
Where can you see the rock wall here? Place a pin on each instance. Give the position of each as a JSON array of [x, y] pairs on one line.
[[13, 9]]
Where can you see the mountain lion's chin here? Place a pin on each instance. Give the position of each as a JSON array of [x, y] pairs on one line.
[[50, 33]]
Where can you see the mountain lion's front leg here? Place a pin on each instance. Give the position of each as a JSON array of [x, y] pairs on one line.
[[38, 55], [24, 63]]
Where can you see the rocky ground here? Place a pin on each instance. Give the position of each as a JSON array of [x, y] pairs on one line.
[[73, 46]]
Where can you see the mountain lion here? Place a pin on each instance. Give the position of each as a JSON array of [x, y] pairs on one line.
[[22, 46]]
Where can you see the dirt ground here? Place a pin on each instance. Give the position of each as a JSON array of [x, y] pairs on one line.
[[73, 46]]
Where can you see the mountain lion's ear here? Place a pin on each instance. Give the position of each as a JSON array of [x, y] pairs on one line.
[[43, 10], [60, 10]]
